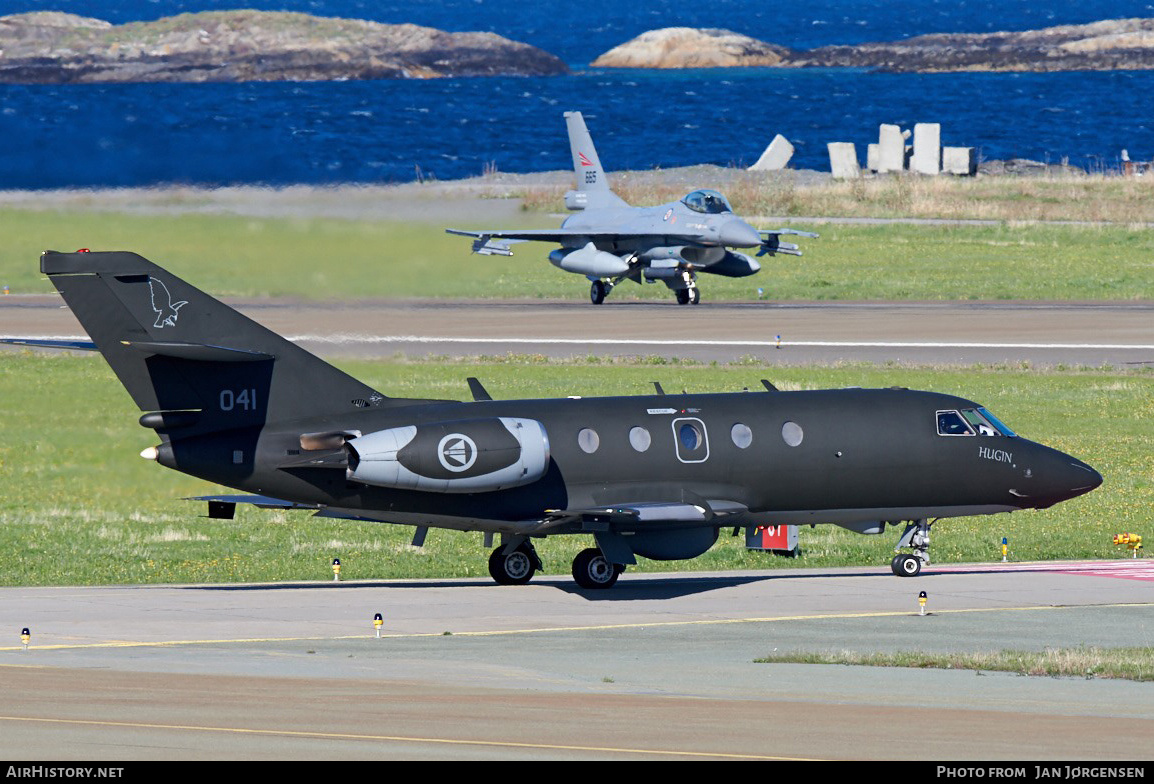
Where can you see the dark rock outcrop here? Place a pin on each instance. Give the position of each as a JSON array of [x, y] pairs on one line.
[[225, 46], [1115, 44]]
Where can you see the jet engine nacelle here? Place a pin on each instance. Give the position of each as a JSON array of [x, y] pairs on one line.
[[463, 456], [589, 261], [735, 265]]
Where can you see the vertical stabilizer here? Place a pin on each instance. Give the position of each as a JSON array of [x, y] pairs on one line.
[[176, 349], [592, 185]]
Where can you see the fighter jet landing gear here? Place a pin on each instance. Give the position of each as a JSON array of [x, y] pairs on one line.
[[515, 567], [592, 570], [687, 293], [599, 291], [916, 536]]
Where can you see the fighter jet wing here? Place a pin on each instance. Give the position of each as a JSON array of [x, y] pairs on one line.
[[771, 241], [642, 514], [496, 243]]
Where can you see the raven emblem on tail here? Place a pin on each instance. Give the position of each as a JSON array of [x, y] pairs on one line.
[[163, 305]]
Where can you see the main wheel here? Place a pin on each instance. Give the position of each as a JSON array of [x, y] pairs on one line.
[[683, 296], [906, 565], [592, 570], [515, 568], [598, 292], [694, 296]]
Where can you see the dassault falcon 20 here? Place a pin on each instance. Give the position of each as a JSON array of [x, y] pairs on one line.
[[656, 476], [609, 241]]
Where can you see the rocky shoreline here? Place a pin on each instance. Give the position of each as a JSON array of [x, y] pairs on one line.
[[1115, 44], [49, 47]]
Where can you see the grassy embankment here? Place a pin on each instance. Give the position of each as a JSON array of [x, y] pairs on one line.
[[338, 259], [78, 506]]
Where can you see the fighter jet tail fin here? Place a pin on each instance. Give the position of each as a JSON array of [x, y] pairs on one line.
[[185, 357], [592, 184]]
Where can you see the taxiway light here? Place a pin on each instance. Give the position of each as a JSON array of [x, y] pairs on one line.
[[1005, 548], [377, 622], [336, 569], [25, 636], [778, 342], [922, 603]]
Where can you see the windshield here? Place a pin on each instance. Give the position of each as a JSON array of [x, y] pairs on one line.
[[709, 202], [971, 421]]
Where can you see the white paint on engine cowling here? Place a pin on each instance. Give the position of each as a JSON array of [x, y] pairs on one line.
[[377, 463], [589, 261]]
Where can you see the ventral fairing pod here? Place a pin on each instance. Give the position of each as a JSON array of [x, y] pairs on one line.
[[468, 456]]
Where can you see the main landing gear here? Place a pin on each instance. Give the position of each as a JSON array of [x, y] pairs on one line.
[[690, 296], [599, 291], [517, 566], [917, 537]]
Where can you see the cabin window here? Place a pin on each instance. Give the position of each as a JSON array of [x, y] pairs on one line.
[[708, 202], [588, 440], [742, 436], [792, 434], [950, 423], [640, 439]]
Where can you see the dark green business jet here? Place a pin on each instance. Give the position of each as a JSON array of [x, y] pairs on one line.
[[608, 241], [655, 476]]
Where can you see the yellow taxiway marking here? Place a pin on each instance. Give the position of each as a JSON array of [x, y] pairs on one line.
[[401, 739], [550, 629]]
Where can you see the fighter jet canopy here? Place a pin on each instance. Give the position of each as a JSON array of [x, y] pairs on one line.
[[709, 202]]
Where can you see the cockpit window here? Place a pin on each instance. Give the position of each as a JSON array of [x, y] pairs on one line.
[[998, 424], [709, 202], [971, 421], [950, 423]]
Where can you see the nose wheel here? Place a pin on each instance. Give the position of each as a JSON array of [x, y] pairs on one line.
[[917, 537], [688, 296]]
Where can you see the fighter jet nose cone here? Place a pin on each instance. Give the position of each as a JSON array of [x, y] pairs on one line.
[[736, 233], [1083, 478]]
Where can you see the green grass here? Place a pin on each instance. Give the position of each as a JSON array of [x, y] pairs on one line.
[[1135, 664], [349, 259], [77, 506]]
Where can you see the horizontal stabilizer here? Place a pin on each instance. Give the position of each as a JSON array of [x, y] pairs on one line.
[[197, 351], [74, 345]]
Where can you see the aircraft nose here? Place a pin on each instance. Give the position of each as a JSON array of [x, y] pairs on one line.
[[736, 233], [1062, 477]]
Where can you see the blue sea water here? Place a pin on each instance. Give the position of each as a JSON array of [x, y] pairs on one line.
[[393, 131]]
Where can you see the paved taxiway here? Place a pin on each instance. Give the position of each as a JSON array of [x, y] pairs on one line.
[[660, 667], [1093, 334]]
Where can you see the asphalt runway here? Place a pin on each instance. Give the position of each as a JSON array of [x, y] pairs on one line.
[[660, 667], [1120, 334]]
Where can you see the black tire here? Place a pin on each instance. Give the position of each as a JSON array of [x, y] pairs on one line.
[[683, 296], [694, 296], [592, 570], [515, 568], [906, 565], [598, 292]]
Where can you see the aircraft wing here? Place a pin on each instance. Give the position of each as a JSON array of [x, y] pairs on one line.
[[496, 243], [642, 514], [772, 244]]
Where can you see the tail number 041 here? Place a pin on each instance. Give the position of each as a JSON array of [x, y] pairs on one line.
[[242, 400]]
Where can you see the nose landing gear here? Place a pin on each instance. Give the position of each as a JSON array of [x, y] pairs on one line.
[[917, 537]]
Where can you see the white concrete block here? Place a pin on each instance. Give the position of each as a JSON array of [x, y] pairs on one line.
[[776, 155], [891, 149], [872, 157], [960, 160], [843, 160], [927, 158]]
